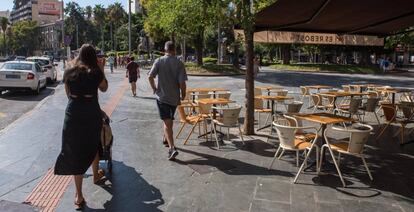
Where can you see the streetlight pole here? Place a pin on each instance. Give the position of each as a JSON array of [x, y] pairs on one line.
[[129, 27]]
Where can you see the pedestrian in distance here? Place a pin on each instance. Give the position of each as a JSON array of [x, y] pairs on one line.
[[81, 135], [111, 62], [169, 90], [133, 74]]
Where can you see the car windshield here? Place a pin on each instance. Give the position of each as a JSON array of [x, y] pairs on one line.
[[40, 61], [17, 66]]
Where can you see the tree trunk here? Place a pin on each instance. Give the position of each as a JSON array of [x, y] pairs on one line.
[[249, 83], [199, 47], [285, 54], [236, 56]]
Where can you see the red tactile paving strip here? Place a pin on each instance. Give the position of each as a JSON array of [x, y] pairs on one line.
[[47, 194]]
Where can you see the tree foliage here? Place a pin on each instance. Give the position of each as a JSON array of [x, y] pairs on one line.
[[23, 34]]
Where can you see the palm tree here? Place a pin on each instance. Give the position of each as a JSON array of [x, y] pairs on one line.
[[4, 22], [99, 14], [88, 12], [115, 14]]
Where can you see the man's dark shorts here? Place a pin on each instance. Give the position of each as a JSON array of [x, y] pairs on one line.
[[166, 111], [133, 79]]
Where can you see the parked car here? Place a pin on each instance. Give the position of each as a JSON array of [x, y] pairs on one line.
[[46, 63], [22, 75], [20, 58]]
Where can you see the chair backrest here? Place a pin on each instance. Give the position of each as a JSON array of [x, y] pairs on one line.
[[346, 88], [257, 92], [230, 116], [225, 95], [294, 107], [203, 96], [316, 99], [390, 112], [407, 97], [304, 91], [358, 136], [282, 92], [286, 135], [354, 105], [407, 109], [371, 104], [204, 109], [181, 113], [373, 94]]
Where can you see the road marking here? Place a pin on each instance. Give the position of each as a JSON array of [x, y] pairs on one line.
[[48, 192]]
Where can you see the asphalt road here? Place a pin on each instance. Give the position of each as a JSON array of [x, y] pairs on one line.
[[15, 104]]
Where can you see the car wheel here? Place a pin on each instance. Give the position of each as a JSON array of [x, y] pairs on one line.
[[37, 91]]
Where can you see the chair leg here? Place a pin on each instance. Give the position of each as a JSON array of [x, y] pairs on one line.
[[205, 130], [181, 129], [297, 158], [376, 116], [339, 158], [241, 135], [382, 131], [273, 160], [191, 132], [280, 156], [317, 159], [258, 120], [267, 119], [215, 135], [366, 167], [321, 158], [402, 133], [270, 133], [337, 167]]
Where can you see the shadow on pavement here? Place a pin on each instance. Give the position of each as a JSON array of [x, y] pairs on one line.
[[130, 192], [237, 167], [27, 95]]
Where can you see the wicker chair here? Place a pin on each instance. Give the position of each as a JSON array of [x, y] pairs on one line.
[[229, 118]]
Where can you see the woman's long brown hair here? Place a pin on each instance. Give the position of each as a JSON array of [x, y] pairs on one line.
[[87, 57]]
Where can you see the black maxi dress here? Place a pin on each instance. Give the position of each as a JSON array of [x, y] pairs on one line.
[[81, 136]]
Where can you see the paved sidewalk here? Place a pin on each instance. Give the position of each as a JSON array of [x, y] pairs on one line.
[[203, 178]]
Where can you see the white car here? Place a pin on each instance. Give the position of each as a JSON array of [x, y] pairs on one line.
[[46, 63], [22, 75]]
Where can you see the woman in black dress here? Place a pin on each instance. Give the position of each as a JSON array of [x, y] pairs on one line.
[[82, 126]]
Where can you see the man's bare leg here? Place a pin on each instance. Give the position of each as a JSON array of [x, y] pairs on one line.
[[168, 134]]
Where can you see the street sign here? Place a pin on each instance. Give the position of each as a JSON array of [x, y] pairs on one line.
[[68, 39]]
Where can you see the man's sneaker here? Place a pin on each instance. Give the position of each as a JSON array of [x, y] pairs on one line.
[[172, 153]]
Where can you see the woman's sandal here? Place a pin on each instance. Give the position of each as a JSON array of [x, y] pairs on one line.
[[99, 180], [80, 205]]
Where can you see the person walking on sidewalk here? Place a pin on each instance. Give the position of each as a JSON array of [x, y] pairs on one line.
[[133, 74], [170, 87], [111, 62], [81, 135]]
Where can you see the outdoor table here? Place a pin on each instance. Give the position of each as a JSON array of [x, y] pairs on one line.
[[337, 94], [214, 102], [269, 88], [323, 119], [317, 87], [213, 90], [393, 91], [362, 86], [272, 99]]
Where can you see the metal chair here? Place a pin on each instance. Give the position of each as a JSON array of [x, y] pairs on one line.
[[390, 114], [289, 142], [371, 107], [185, 119], [304, 91], [260, 108], [229, 118], [354, 145], [353, 109]]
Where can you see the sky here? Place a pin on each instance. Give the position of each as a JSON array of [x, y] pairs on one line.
[[8, 4]]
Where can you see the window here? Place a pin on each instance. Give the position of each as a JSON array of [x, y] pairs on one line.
[[17, 66]]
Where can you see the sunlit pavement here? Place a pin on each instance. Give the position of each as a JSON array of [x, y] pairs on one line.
[[203, 178]]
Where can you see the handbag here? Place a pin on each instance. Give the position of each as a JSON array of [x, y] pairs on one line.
[[106, 132]]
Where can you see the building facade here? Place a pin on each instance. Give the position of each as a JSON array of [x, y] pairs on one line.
[[136, 6], [41, 11], [51, 36], [5, 14]]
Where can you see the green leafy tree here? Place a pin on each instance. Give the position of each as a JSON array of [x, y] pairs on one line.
[[99, 14], [4, 22], [115, 14], [24, 32], [88, 12]]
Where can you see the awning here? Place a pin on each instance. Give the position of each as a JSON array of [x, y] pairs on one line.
[[363, 17]]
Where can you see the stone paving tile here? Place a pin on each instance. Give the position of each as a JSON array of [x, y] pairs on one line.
[[364, 206], [266, 206], [274, 190], [328, 207]]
